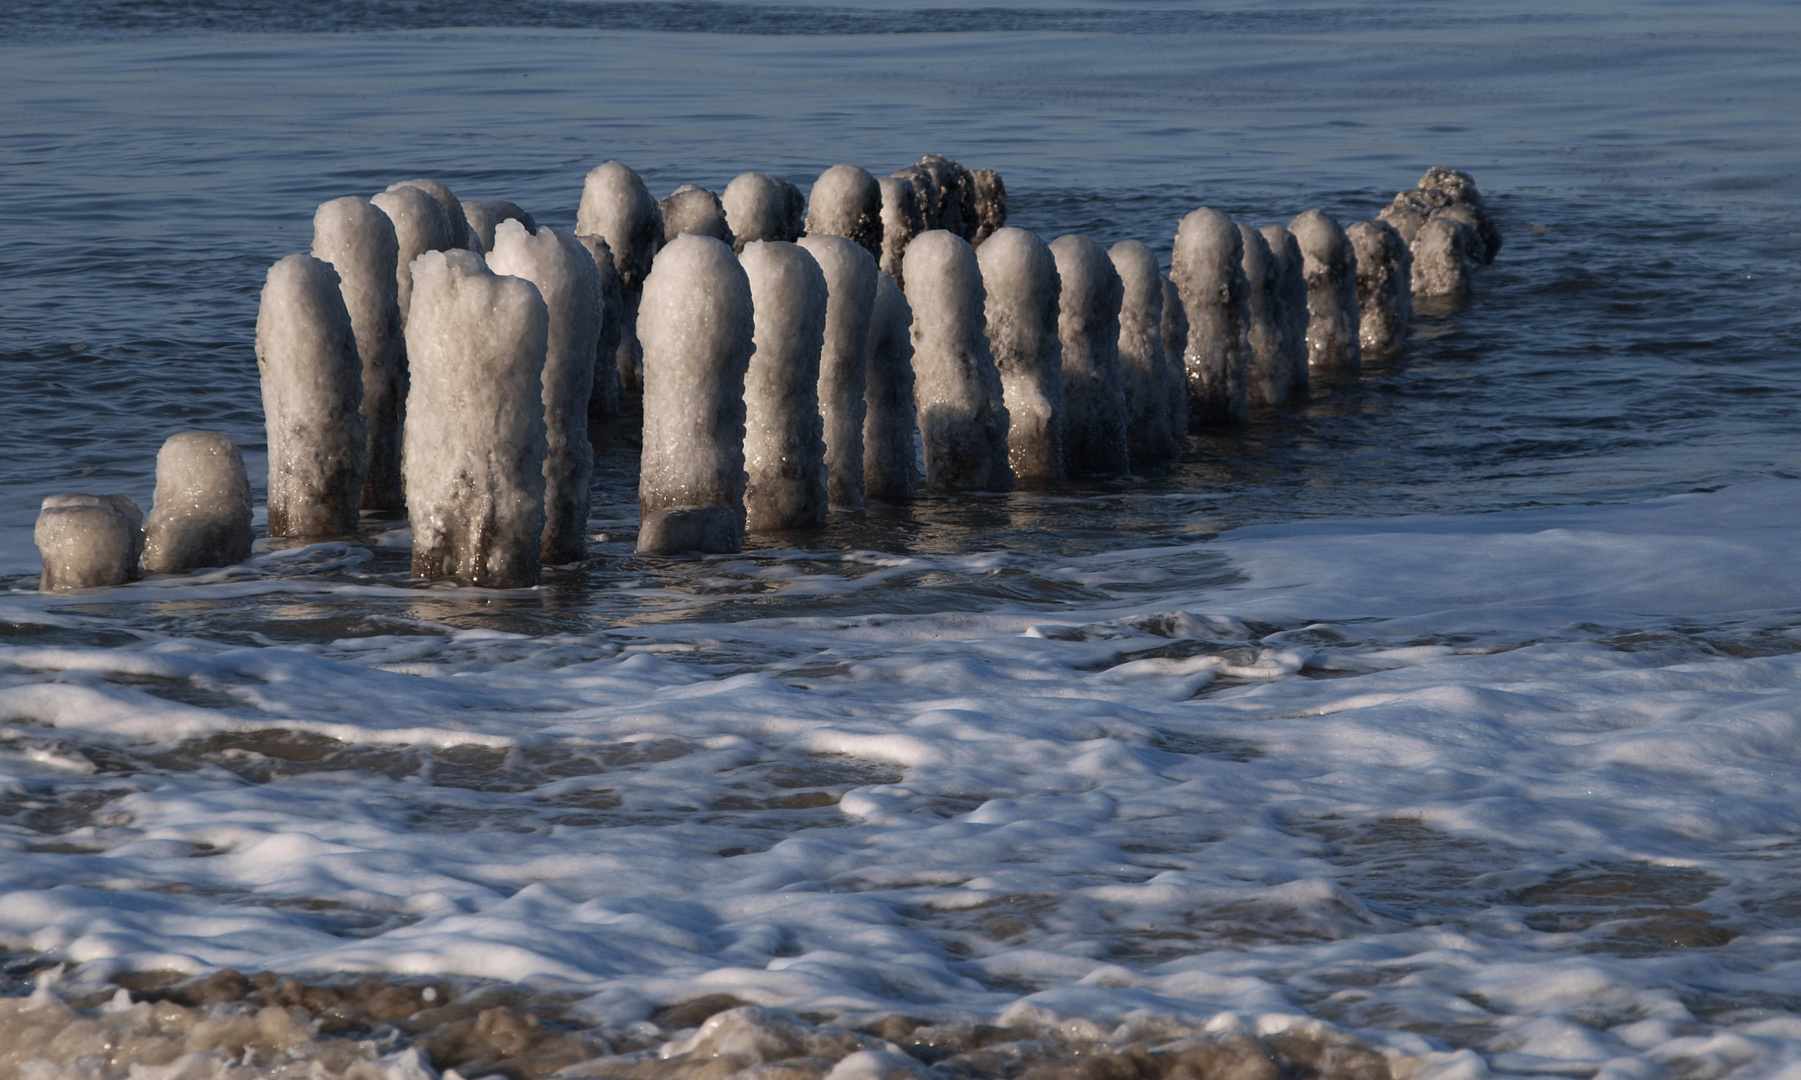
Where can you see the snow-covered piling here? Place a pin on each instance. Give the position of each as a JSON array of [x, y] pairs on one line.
[[564, 273], [1267, 369], [88, 541], [784, 443], [312, 400], [991, 204], [1331, 269], [1292, 268], [617, 207], [1443, 191], [956, 188], [420, 225], [1019, 274], [763, 207], [693, 209], [846, 201], [1094, 397], [1175, 340], [605, 401], [475, 443], [850, 281], [1143, 365], [453, 208], [485, 217], [1207, 266], [891, 424], [200, 515], [359, 242], [1442, 266], [698, 330], [962, 418], [1384, 288], [901, 222], [925, 196]]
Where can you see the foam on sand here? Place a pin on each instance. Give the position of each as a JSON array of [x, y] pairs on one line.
[[784, 444], [564, 273], [1019, 274], [475, 437], [698, 328], [201, 513], [962, 417], [1207, 265], [359, 242], [1094, 396], [312, 377], [850, 279], [891, 421]]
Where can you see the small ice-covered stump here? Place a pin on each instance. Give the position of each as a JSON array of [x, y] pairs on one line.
[[1384, 288], [1442, 265], [617, 207], [991, 204], [846, 201], [1019, 274], [358, 240], [693, 209], [1207, 265], [698, 332], [962, 415], [784, 444], [956, 195], [88, 541], [475, 444], [606, 399], [200, 515], [1331, 269], [1441, 191], [1293, 292], [1094, 395], [312, 401], [1143, 365], [420, 225], [453, 209], [891, 424], [902, 220], [925, 195], [762, 207], [564, 273], [1267, 369], [484, 217], [850, 281], [1175, 340]]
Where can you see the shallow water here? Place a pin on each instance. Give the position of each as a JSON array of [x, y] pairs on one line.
[[1512, 775]]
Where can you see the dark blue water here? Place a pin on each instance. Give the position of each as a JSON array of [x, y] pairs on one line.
[[1639, 334]]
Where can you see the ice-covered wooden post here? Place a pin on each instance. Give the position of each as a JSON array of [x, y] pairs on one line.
[[1331, 269], [1175, 339], [88, 541], [420, 225], [617, 207], [1207, 266], [850, 281], [201, 512], [962, 417], [1384, 288], [902, 220], [891, 425], [698, 332], [312, 401], [1019, 276], [1267, 370], [846, 201], [605, 400], [453, 210], [564, 273], [693, 209], [1143, 365], [784, 443], [484, 217], [991, 204], [475, 443], [1094, 399], [763, 207], [1292, 275], [359, 242]]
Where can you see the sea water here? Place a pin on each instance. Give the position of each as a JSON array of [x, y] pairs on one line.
[[1456, 709]]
